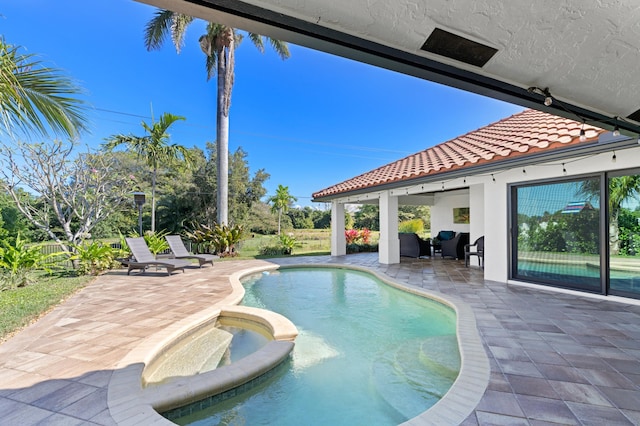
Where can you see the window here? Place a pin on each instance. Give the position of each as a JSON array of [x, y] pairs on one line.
[[624, 234], [556, 233]]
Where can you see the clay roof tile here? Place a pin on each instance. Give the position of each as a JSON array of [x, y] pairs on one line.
[[528, 131]]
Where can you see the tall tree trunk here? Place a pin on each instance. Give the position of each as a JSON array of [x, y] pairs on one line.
[[279, 217], [225, 49], [614, 233], [153, 200], [222, 144]]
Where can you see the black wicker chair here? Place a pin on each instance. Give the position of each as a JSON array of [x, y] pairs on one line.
[[479, 251], [413, 246], [455, 247]]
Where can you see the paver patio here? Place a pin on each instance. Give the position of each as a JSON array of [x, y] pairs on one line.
[[555, 358]]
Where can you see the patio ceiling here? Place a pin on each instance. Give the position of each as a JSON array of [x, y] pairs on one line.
[[585, 52]]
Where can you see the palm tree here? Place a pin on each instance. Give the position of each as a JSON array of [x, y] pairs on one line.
[[620, 189], [34, 96], [281, 202], [155, 149], [218, 44]]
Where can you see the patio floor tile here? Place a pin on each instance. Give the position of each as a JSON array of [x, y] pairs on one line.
[[545, 409], [554, 358]]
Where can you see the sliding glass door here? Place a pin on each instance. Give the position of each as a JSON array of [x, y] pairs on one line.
[[624, 234], [563, 236], [556, 228]]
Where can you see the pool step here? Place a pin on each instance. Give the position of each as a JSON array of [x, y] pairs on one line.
[[196, 354], [413, 377], [441, 354]]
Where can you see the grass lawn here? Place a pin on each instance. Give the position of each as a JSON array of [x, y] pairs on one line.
[[22, 306], [309, 242]]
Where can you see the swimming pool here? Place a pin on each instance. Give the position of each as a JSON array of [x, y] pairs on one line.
[[367, 353]]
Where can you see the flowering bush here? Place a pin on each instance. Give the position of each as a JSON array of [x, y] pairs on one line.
[[351, 235]]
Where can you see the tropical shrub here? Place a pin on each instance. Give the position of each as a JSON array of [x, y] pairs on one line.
[[221, 239], [284, 245], [359, 241], [94, 258], [351, 235], [156, 241], [17, 260], [365, 235], [415, 226], [288, 242]]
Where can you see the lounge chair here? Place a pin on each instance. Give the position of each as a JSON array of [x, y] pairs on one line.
[[181, 252], [479, 245], [143, 258]]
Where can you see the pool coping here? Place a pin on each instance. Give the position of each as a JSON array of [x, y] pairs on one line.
[[129, 404]]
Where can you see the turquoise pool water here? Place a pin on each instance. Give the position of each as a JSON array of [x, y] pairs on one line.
[[367, 353]]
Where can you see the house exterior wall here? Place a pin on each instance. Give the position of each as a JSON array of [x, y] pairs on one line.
[[496, 198], [477, 211], [487, 196], [442, 211]]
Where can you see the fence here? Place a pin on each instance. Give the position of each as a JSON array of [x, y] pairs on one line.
[[62, 260]]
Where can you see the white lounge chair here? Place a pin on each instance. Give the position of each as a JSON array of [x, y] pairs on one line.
[[180, 251]]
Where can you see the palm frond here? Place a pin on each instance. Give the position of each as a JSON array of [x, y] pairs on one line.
[[257, 41], [157, 29], [281, 48], [179, 26], [33, 96]]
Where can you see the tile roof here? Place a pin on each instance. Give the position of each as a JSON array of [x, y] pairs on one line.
[[525, 133]]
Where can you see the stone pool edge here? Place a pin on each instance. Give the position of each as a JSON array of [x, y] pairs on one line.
[[128, 404]]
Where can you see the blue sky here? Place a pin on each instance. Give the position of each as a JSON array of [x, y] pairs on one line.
[[310, 121]]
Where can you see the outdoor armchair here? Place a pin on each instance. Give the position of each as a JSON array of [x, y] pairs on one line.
[[438, 239], [455, 247], [180, 251], [411, 245], [479, 251]]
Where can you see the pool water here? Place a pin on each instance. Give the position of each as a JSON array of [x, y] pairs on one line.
[[367, 353]]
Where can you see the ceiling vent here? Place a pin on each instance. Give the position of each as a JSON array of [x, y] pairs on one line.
[[635, 116], [461, 49]]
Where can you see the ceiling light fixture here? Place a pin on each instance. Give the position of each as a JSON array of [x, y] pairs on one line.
[[583, 134], [564, 170], [548, 99], [493, 177], [616, 130], [614, 158]]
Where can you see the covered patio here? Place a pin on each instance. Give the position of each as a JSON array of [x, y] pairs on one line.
[[555, 358]]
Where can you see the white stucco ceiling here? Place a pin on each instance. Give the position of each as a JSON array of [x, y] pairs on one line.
[[587, 52]]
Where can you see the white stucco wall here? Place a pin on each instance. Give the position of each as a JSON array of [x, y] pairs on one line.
[[477, 212], [442, 211], [496, 197]]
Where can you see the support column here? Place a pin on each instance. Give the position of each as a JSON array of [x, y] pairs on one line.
[[389, 247], [338, 241]]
